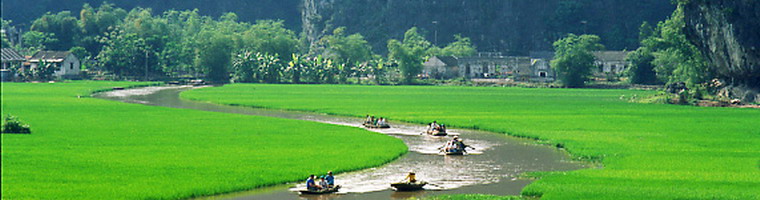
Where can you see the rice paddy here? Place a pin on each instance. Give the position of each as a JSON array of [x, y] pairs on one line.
[[87, 148], [644, 151]]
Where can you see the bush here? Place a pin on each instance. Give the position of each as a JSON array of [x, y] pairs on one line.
[[11, 124]]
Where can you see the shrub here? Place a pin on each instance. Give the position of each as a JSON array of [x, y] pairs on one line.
[[11, 124]]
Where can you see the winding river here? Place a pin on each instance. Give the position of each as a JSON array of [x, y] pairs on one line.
[[491, 168]]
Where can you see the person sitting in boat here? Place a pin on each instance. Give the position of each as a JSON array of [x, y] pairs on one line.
[[410, 178], [311, 184], [330, 179], [442, 128], [461, 146], [434, 126], [381, 122], [322, 183], [451, 146], [368, 120]]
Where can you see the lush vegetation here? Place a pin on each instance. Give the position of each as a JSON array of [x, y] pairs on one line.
[[647, 151], [507, 26], [666, 56], [573, 60], [86, 148], [140, 45], [11, 124]]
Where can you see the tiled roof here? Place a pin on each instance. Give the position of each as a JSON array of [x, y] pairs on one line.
[[610, 55], [50, 56], [9, 54], [448, 60]]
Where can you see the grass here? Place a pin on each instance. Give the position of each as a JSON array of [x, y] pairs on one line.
[[648, 151], [472, 197], [87, 148]]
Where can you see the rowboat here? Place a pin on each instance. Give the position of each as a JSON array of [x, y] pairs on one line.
[[376, 126], [453, 153], [407, 186], [436, 133], [323, 191]]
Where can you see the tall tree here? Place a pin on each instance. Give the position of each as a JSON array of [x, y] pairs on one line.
[[124, 54], [460, 47], [349, 51], [573, 59], [63, 25], [215, 56], [410, 54]]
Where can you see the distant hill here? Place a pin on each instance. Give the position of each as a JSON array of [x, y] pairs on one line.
[[22, 12], [510, 26]]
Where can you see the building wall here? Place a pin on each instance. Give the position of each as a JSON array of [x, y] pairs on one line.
[[611, 66], [69, 67]]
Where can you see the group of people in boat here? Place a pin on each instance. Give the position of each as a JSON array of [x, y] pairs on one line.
[[455, 145], [436, 127], [371, 120], [325, 182]]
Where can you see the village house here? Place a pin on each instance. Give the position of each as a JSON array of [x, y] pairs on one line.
[[610, 62], [10, 60], [489, 65], [66, 63]]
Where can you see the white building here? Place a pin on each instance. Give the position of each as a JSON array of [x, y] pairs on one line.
[[67, 65], [611, 61], [489, 65]]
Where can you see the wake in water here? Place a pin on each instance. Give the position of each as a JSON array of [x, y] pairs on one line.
[[441, 172]]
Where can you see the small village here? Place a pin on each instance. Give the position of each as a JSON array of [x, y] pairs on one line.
[[533, 68], [483, 65]]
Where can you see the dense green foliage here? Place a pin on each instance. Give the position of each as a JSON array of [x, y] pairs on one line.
[[667, 53], [11, 124], [573, 60], [514, 27], [140, 45], [87, 148], [410, 54], [641, 69], [648, 151]]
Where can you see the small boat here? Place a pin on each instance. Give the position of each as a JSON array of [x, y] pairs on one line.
[[368, 125], [453, 153], [117, 88], [436, 133], [324, 191], [197, 82], [407, 186]]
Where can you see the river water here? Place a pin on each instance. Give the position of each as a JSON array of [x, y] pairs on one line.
[[491, 168]]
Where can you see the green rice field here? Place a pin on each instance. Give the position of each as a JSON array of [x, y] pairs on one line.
[[87, 148], [642, 151]]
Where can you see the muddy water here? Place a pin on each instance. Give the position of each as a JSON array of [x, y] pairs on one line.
[[490, 169]]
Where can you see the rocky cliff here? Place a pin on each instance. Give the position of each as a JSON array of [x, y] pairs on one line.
[[728, 33]]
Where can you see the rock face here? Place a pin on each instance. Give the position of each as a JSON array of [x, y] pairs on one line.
[[727, 32]]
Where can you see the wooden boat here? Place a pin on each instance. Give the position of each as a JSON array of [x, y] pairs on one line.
[[324, 191], [376, 126], [197, 82], [436, 133], [406, 186], [453, 153]]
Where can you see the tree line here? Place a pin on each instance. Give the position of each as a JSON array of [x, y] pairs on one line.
[[665, 56], [139, 44]]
